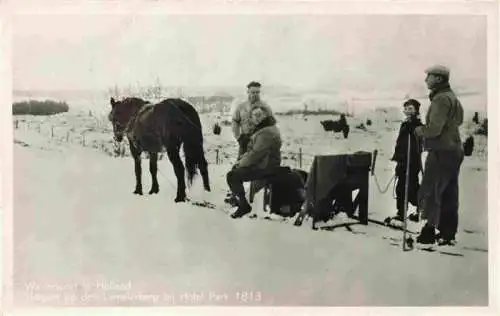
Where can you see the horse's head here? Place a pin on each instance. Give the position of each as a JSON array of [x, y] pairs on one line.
[[121, 113]]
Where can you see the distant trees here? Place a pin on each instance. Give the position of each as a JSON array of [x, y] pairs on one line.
[[36, 107], [310, 112]]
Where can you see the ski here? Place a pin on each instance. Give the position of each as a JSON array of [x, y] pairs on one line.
[[442, 250], [227, 209], [207, 204], [389, 224], [394, 222], [270, 217], [411, 244]]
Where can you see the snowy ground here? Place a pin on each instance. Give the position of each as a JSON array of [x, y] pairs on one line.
[[78, 229]]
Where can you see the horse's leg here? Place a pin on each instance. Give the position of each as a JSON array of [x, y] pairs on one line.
[[136, 154], [175, 159], [189, 165], [153, 168]]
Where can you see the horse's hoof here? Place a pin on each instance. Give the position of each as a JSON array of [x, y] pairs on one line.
[[207, 189], [138, 192], [153, 191], [179, 199], [298, 221]]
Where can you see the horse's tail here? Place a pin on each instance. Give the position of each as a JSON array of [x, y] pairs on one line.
[[193, 147], [193, 155]]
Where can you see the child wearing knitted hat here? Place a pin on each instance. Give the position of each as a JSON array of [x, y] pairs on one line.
[[412, 113]]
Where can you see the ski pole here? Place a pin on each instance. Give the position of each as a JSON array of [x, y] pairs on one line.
[[407, 177], [375, 152]]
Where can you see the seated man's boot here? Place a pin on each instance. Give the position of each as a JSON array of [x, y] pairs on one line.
[[231, 200], [427, 235], [243, 208], [414, 217]]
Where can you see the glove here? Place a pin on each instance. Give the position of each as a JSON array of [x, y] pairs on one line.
[[419, 131], [400, 168], [244, 138]]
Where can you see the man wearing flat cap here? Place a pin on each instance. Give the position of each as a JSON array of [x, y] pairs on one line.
[[438, 194], [242, 124]]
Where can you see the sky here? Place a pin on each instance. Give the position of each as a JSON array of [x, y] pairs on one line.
[[84, 51]]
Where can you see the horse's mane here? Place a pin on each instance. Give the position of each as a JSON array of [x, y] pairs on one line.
[[134, 100]]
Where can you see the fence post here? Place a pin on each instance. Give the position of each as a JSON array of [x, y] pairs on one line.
[[83, 139], [67, 137], [300, 157], [217, 156], [17, 124], [52, 132]]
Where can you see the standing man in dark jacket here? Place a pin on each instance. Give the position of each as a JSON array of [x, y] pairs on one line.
[[412, 112], [261, 159], [438, 194]]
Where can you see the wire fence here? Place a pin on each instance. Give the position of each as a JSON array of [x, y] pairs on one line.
[[94, 131], [100, 138]]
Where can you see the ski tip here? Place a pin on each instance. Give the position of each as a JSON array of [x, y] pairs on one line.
[[426, 247]]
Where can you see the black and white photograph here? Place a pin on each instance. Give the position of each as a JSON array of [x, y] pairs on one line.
[[268, 158]]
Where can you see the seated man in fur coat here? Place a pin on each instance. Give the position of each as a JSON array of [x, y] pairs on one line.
[[261, 160]]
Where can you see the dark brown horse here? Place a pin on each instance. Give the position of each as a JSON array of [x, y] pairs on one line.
[[150, 127]]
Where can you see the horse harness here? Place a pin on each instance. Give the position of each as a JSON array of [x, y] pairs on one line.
[[138, 126]]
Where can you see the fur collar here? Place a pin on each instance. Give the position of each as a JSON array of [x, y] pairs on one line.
[[268, 121]]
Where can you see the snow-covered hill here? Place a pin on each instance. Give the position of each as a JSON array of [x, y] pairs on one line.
[[78, 229]]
